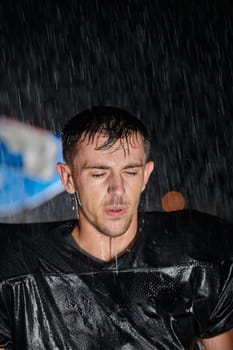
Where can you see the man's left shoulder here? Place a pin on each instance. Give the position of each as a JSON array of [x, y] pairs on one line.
[[196, 234]]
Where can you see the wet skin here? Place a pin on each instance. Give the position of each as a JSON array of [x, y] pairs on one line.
[[109, 183]]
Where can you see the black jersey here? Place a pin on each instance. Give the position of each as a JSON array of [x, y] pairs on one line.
[[173, 285]]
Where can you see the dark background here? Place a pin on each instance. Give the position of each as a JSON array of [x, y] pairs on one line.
[[168, 62]]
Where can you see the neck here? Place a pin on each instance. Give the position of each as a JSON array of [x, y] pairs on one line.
[[103, 247]]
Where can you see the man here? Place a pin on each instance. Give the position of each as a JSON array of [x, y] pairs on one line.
[[115, 279]]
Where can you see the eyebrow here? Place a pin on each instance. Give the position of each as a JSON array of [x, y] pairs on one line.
[[105, 167]]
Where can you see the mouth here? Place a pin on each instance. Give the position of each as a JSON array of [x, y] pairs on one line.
[[116, 212]]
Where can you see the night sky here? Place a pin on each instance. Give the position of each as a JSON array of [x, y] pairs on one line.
[[168, 62]]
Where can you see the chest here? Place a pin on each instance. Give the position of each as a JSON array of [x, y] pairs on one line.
[[143, 309]]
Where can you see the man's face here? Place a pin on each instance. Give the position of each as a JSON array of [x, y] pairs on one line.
[[109, 183]]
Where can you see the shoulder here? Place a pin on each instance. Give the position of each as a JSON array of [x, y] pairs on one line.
[[189, 234], [21, 245]]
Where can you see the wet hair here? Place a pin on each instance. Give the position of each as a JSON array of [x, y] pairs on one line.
[[114, 123]]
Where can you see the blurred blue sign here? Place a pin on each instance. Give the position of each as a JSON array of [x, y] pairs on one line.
[[28, 158]]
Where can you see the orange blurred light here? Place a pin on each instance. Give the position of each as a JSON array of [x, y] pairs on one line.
[[173, 201]]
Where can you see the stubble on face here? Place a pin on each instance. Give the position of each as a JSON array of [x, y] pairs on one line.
[[109, 229], [105, 217]]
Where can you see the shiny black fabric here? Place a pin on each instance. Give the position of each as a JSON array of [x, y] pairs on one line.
[[173, 285]]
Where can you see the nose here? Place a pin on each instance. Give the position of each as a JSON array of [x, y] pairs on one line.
[[116, 185]]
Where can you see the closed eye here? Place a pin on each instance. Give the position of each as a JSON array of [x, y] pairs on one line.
[[131, 173], [98, 175]]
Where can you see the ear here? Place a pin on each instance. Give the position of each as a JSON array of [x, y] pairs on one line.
[[66, 177], [147, 172]]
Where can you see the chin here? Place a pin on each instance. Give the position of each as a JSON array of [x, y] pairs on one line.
[[115, 232]]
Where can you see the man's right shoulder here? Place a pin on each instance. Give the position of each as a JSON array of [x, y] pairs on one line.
[[21, 245]]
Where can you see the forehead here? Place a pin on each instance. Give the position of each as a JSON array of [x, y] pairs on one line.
[[130, 146]]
